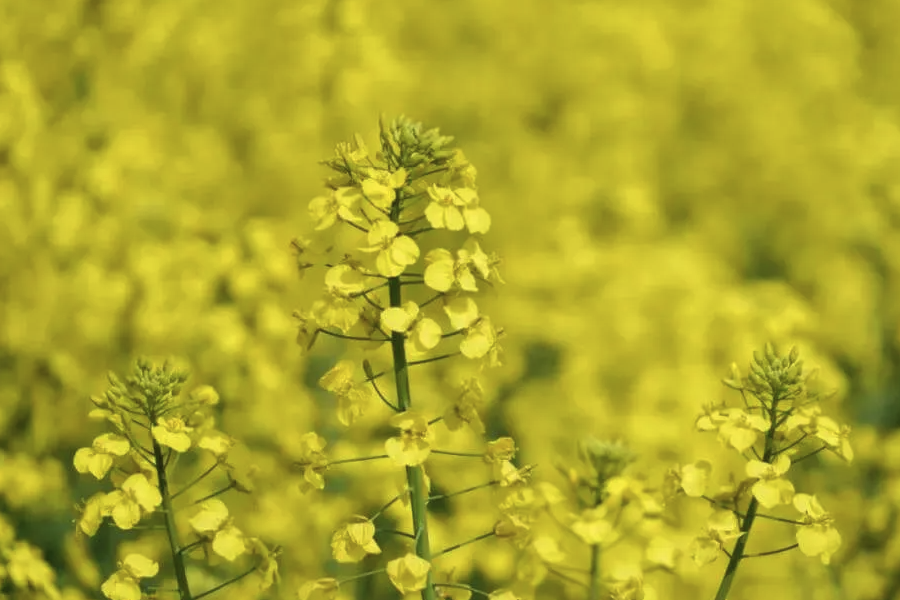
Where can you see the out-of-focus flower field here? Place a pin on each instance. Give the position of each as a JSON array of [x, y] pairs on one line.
[[671, 185]]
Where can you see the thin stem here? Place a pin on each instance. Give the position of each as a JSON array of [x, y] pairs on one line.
[[342, 336], [224, 584], [570, 579], [424, 361], [171, 529], [450, 453], [463, 491], [344, 461], [477, 538], [195, 481], [771, 552], [397, 532], [230, 486]]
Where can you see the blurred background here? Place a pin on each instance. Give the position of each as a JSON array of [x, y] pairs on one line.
[[672, 184]]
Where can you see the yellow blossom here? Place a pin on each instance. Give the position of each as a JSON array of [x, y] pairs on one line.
[[213, 521], [771, 489], [353, 399], [321, 589], [503, 594], [592, 525], [26, 568], [480, 339], [692, 479], [338, 205], [95, 509], [172, 432], [413, 445], [464, 410], [817, 536], [352, 542], [501, 449], [395, 252], [136, 497], [444, 210], [336, 310], [740, 430], [721, 528], [477, 218], [379, 188], [98, 459], [408, 573], [216, 442], [422, 333], [124, 584], [461, 311], [313, 461], [205, 395]]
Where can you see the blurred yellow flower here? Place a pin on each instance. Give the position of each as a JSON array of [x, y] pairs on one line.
[[124, 584], [408, 573], [326, 588], [817, 536], [352, 542], [213, 521], [338, 205], [413, 445]]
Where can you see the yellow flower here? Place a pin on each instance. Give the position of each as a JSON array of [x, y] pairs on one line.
[[352, 542], [515, 527], [592, 525], [321, 589], [93, 513], [124, 584], [499, 450], [740, 430], [817, 536], [98, 459], [810, 421], [481, 341], [461, 311], [335, 309], [395, 251], [771, 490], [213, 522], [205, 395], [353, 400], [692, 479], [379, 188], [413, 445], [630, 588], [422, 333], [313, 461], [477, 219], [464, 410], [172, 432], [338, 205], [136, 497], [721, 528], [409, 573], [443, 272], [26, 568], [443, 212], [345, 280], [216, 442]]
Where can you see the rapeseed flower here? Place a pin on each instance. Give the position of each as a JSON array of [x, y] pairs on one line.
[[124, 584], [408, 573]]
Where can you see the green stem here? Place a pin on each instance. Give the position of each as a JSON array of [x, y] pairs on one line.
[[594, 590], [414, 475], [171, 530], [738, 553]]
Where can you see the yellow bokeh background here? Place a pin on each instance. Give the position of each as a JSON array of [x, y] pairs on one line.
[[672, 184]]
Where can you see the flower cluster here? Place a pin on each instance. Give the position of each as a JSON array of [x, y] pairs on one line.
[[153, 427], [388, 289], [781, 413]]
